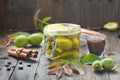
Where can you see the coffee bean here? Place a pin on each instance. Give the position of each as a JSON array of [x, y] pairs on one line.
[[9, 62], [8, 69], [6, 65], [29, 65], [20, 62], [20, 67]]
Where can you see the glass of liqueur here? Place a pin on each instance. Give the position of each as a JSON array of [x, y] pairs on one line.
[[96, 44]]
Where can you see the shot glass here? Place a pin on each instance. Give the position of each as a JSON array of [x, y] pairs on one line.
[[96, 44]]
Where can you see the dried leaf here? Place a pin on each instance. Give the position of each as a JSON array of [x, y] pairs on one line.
[[57, 63], [5, 41], [36, 17], [54, 70], [77, 65], [68, 70], [14, 35], [59, 74]]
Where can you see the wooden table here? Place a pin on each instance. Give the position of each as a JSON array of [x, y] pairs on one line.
[[37, 70]]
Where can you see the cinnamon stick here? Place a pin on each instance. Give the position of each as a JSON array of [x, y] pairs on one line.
[[32, 52], [33, 55], [18, 55], [23, 50], [87, 31]]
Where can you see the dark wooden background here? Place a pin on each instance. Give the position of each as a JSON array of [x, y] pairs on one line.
[[18, 14]]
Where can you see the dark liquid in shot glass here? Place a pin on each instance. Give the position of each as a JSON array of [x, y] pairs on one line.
[[96, 46]]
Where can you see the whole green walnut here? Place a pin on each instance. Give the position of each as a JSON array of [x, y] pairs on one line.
[[97, 65], [35, 39], [108, 63], [76, 43], [64, 43], [21, 41]]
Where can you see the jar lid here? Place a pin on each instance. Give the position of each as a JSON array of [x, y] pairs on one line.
[[61, 29]]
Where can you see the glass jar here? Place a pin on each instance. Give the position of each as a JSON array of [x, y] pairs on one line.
[[62, 39]]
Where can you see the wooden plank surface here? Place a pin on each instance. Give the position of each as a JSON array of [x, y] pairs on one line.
[[28, 72], [114, 49], [18, 14], [38, 70], [5, 74]]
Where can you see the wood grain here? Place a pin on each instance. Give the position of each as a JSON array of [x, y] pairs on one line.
[[114, 49], [28, 72], [38, 70], [92, 14], [4, 58]]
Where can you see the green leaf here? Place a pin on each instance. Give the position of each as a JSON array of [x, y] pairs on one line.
[[89, 58], [40, 26], [46, 19]]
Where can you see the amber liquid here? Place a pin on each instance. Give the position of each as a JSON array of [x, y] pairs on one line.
[[96, 46]]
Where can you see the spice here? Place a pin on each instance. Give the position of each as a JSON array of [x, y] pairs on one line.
[[34, 55], [19, 55], [6, 65], [8, 69], [29, 65], [9, 62], [20, 62], [20, 67], [22, 53]]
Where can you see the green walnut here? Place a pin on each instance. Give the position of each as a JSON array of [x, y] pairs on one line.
[[76, 43], [48, 51], [35, 39], [108, 63], [21, 41], [64, 43], [111, 26], [97, 65]]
